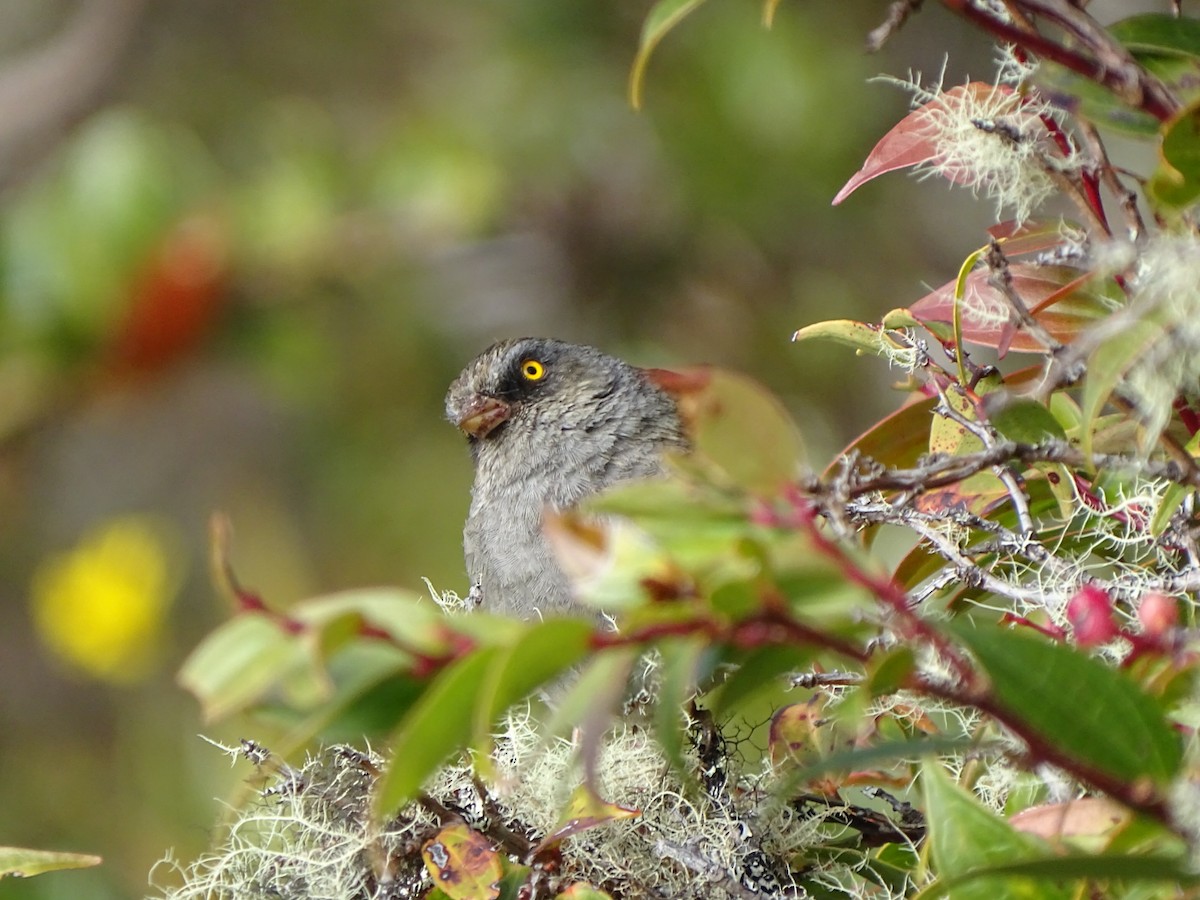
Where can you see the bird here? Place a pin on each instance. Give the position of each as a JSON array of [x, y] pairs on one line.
[[549, 424]]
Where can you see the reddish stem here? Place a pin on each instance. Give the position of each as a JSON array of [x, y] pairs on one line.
[[1137, 796], [1150, 101], [884, 588]]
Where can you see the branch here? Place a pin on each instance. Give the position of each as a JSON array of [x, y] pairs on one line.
[[898, 13], [1136, 796], [1112, 67]]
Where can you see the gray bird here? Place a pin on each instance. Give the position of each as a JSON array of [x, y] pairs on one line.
[[548, 424]]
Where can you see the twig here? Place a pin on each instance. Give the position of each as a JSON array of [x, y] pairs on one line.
[[1135, 795], [1113, 67], [708, 869], [898, 13], [1108, 175]]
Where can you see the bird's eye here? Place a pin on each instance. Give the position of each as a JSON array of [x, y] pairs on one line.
[[532, 370]]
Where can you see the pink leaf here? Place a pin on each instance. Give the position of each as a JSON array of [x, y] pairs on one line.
[[987, 320], [914, 139]]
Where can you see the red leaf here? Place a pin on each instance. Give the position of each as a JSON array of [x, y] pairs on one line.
[[914, 139], [987, 320]]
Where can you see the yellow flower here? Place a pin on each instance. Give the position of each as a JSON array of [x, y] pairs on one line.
[[101, 606]]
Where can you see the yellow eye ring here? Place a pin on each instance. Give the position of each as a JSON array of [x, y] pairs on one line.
[[532, 370]]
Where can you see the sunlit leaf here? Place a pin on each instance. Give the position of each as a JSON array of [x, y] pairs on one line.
[[463, 864], [21, 862], [916, 138], [1081, 816], [235, 664], [857, 336], [663, 16]]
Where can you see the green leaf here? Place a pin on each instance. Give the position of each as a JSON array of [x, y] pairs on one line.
[[238, 662], [437, 725], [1175, 184], [1158, 34], [965, 837], [759, 671], [597, 690], [723, 413], [373, 687], [890, 671], [768, 16], [684, 662], [542, 652], [1165, 49], [400, 613], [1106, 367], [1026, 422], [463, 864], [1087, 710], [582, 891], [1093, 867], [1082, 97], [858, 336], [25, 863], [663, 16]]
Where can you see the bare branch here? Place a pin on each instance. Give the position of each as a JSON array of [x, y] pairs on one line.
[[898, 13]]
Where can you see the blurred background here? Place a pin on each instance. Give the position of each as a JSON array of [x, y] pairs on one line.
[[244, 248]]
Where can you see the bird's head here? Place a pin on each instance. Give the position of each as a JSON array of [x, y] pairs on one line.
[[544, 395], [512, 380]]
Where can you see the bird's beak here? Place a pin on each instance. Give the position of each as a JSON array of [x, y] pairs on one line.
[[482, 415]]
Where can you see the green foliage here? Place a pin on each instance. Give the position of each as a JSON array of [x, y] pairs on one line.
[[1086, 709], [24, 863], [1025, 637]]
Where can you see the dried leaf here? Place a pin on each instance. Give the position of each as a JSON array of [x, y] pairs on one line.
[[585, 810], [463, 864]]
